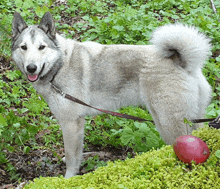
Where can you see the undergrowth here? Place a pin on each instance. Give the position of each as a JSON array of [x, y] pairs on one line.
[[24, 113]]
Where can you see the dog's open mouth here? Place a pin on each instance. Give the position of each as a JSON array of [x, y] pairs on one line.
[[34, 78]]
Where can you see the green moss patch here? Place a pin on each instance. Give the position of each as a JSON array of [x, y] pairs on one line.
[[154, 169]]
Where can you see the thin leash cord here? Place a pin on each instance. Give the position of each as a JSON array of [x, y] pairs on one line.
[[106, 111], [202, 120], [71, 98], [125, 115]]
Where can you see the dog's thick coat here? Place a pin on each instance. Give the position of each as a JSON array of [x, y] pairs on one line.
[[166, 77]]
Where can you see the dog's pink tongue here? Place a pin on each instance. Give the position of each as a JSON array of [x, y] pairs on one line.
[[32, 77]]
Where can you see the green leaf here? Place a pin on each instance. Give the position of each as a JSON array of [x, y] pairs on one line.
[[217, 153], [144, 128], [12, 75], [3, 121], [26, 149], [18, 3], [218, 59], [23, 110], [140, 43], [10, 149], [41, 11], [16, 125], [28, 4], [86, 17], [175, 17], [127, 135], [186, 121], [119, 28]]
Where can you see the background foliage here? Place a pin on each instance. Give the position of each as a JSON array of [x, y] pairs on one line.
[[24, 113]]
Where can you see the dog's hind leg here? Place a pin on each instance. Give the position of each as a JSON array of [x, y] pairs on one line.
[[73, 133], [170, 124], [168, 110]]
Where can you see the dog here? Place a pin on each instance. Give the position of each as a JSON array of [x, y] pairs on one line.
[[166, 77]]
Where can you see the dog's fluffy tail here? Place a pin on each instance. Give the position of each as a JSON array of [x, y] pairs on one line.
[[190, 46]]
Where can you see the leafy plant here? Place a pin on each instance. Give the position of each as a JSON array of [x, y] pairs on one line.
[[141, 137], [24, 114], [112, 131], [93, 163]]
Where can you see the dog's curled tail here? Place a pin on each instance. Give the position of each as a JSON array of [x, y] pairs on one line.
[[190, 46]]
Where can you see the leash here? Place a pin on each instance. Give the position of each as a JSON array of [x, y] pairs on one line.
[[67, 96], [215, 122]]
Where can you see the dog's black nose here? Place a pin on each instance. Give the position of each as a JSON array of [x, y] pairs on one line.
[[31, 68]]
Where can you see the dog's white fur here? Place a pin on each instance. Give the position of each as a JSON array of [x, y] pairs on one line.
[[166, 77]]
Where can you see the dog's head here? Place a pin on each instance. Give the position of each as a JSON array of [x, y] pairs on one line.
[[35, 48]]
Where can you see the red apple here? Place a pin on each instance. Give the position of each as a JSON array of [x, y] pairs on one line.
[[188, 148]]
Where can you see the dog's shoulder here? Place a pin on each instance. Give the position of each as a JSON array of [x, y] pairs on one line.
[[89, 47]]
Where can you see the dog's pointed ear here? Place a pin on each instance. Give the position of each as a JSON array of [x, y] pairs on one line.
[[48, 26], [18, 25]]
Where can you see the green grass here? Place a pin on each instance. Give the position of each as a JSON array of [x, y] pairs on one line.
[[24, 113]]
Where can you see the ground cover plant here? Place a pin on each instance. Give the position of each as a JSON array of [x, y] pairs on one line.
[[154, 169], [31, 140]]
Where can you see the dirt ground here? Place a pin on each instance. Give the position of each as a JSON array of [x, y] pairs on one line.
[[43, 162]]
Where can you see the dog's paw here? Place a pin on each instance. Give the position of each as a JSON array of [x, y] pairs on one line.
[[70, 174]]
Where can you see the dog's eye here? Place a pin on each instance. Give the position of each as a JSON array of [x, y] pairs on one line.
[[41, 47], [24, 47]]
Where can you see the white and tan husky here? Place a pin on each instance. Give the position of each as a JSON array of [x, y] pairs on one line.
[[166, 77]]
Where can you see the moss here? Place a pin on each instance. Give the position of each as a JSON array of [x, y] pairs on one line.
[[154, 169]]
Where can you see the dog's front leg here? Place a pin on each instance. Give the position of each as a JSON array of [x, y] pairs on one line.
[[73, 133]]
